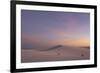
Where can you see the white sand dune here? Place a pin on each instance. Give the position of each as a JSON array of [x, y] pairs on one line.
[[59, 54]]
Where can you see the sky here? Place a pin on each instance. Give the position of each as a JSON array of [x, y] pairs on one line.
[[43, 29]]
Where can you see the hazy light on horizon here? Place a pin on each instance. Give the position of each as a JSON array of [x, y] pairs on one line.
[[41, 29]]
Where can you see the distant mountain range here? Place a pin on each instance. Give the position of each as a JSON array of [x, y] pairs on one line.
[[85, 47], [61, 46], [54, 47], [58, 47]]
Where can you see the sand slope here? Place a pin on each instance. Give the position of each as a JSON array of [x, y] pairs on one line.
[[58, 54]]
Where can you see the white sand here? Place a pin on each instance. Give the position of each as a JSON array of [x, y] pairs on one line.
[[59, 54]]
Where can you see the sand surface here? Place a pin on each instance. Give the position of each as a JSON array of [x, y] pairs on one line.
[[59, 54]]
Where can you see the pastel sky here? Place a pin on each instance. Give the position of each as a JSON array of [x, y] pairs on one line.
[[42, 29]]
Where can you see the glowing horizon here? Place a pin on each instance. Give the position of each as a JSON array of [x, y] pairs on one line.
[[41, 29]]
